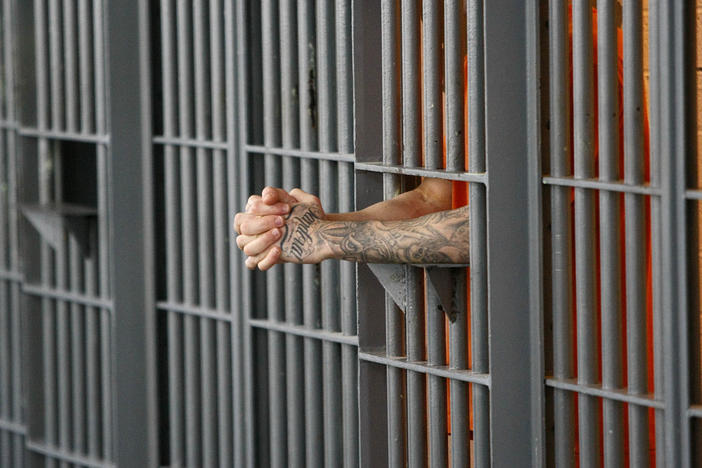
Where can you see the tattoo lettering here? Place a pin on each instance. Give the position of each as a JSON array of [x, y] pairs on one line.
[[297, 240]]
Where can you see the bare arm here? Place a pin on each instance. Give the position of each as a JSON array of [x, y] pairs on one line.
[[441, 237]]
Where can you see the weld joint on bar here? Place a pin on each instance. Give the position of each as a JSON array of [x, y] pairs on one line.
[[305, 332], [463, 375], [14, 427], [595, 390], [67, 296], [191, 142], [62, 455], [263, 150], [197, 311], [596, 184], [32, 132], [475, 177]]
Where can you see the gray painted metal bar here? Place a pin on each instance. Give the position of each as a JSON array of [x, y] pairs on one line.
[[610, 235], [597, 390], [508, 275], [307, 66], [672, 138], [293, 273], [391, 115], [173, 259], [596, 184], [478, 229], [205, 217], [583, 148], [347, 270], [132, 236], [328, 171], [635, 229], [274, 278], [414, 313], [561, 260], [432, 107]]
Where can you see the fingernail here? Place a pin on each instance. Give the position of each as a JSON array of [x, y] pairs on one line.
[[275, 232], [286, 208], [278, 221]]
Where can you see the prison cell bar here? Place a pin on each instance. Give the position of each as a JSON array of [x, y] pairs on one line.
[[173, 259], [292, 272], [584, 229], [412, 147], [206, 288], [561, 233], [392, 135], [326, 103], [610, 235], [5, 304], [455, 40], [220, 234], [274, 278], [478, 234], [432, 108], [347, 272], [635, 230], [309, 181]]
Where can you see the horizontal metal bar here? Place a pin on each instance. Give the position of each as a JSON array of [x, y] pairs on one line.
[[63, 295], [598, 391], [693, 194], [299, 330], [695, 411], [601, 185], [65, 456], [205, 312], [8, 275], [10, 426], [68, 136], [343, 157], [424, 368], [8, 125], [480, 178], [191, 142]]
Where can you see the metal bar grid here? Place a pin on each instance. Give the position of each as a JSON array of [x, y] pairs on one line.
[[70, 297], [613, 259]]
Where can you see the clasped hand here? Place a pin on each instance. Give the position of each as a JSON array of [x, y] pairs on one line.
[[278, 226]]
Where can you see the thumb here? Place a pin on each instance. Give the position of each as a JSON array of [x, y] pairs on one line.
[[272, 195], [304, 197]]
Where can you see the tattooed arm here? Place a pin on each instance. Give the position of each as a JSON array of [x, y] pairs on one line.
[[434, 238]]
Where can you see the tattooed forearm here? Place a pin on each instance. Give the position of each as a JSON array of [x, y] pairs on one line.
[[435, 238]]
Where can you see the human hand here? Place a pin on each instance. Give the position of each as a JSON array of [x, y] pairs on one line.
[[259, 226]]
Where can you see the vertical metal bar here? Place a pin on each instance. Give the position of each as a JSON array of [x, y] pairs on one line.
[[454, 75], [431, 81], [583, 93], [131, 220], [610, 235], [635, 230], [5, 305], [561, 234], [70, 66], [331, 352], [77, 338], [274, 278], [347, 273], [656, 226], [293, 273], [506, 112], [48, 322], [193, 428], [478, 235], [56, 66], [104, 255], [204, 234], [221, 234], [392, 134], [411, 134], [173, 259], [307, 63], [433, 142], [672, 137], [86, 69]]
